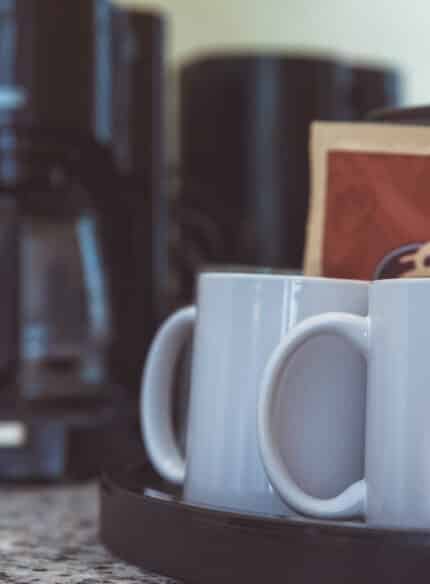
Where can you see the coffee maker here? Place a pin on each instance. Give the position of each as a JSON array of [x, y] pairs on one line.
[[59, 406]]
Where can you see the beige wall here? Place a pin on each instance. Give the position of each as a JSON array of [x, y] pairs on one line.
[[393, 30]]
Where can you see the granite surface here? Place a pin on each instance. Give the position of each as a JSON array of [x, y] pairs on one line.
[[49, 535]]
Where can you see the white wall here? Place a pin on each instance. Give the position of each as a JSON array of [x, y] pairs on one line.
[[382, 30]]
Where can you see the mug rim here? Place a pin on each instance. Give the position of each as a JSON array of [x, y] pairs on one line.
[[278, 274], [401, 281]]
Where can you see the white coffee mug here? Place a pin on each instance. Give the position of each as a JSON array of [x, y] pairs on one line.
[[238, 321], [394, 338]]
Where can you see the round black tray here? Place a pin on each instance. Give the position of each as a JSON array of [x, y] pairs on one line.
[[144, 521]]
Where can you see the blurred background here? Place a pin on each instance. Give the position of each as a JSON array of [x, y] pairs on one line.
[[375, 31], [139, 143]]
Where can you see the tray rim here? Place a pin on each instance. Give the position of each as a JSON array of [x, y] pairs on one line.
[[110, 482]]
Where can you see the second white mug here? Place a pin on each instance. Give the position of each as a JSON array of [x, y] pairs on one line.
[[394, 489]]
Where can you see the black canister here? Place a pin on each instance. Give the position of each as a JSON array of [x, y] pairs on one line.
[[244, 175], [244, 162]]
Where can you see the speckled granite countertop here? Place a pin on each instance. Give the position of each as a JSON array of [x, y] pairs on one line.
[[49, 535]]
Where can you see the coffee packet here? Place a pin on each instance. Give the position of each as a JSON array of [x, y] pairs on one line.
[[369, 214]]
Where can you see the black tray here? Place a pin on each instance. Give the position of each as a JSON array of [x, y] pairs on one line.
[[144, 521]]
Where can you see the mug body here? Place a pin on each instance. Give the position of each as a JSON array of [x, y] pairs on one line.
[[398, 405], [241, 318]]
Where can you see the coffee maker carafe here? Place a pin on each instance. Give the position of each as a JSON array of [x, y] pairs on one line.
[[63, 300]]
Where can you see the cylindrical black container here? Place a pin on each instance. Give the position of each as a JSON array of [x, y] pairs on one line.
[[244, 135], [138, 149], [244, 140]]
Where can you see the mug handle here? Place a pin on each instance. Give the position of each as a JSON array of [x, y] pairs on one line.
[[352, 501], [156, 395]]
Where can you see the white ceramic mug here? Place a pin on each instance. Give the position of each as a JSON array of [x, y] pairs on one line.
[[394, 338], [238, 321]]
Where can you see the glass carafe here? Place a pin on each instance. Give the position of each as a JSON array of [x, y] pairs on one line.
[[65, 321]]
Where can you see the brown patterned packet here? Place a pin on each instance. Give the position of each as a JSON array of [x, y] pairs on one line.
[[370, 205]]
